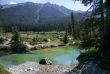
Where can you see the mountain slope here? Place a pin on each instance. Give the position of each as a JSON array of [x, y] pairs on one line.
[[34, 13]]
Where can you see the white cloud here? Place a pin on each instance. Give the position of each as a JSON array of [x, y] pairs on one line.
[[12, 3]]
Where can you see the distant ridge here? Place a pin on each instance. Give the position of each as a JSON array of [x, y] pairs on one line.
[[36, 13]]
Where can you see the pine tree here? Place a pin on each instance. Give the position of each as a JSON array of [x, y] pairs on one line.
[[73, 25], [65, 40], [17, 45]]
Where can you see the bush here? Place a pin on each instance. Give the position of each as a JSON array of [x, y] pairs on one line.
[[36, 40], [5, 48], [45, 40], [40, 47]]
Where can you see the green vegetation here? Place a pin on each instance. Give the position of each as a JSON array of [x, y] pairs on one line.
[[6, 48], [3, 71], [17, 45], [65, 40], [96, 32], [89, 54], [91, 32]]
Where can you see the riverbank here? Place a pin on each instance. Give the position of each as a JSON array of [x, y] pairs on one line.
[[89, 67], [35, 68]]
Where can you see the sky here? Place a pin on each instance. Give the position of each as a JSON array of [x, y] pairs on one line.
[[67, 3]]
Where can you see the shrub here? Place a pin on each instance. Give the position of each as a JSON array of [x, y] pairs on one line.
[[5, 48], [45, 40], [36, 40]]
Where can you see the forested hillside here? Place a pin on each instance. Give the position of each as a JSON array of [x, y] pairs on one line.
[[26, 14]]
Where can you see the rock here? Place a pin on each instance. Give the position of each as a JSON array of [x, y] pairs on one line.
[[61, 44], [48, 40], [70, 38], [54, 45], [74, 42], [45, 61], [29, 69]]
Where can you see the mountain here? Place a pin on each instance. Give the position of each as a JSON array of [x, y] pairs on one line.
[[36, 13]]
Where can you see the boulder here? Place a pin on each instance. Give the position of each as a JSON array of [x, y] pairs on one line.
[[45, 61]]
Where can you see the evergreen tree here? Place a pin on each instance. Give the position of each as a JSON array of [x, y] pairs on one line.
[[16, 35], [17, 45], [65, 39], [73, 25]]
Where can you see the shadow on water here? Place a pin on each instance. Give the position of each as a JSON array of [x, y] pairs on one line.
[[2, 53]]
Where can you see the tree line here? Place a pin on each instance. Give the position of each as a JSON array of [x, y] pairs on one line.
[[35, 28]]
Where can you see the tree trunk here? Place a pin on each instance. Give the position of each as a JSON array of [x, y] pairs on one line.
[[107, 26], [73, 25], [101, 27]]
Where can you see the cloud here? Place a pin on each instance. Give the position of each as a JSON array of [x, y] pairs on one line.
[[12, 3]]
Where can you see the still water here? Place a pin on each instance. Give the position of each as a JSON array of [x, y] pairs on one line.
[[58, 55]]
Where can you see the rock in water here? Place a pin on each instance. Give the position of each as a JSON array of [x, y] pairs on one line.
[[45, 61]]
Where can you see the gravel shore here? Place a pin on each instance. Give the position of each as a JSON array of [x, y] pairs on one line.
[[35, 68]]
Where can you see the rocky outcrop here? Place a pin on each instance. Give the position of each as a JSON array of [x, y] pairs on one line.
[[89, 68]]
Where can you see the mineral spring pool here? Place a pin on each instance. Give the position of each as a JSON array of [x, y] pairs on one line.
[[58, 55]]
